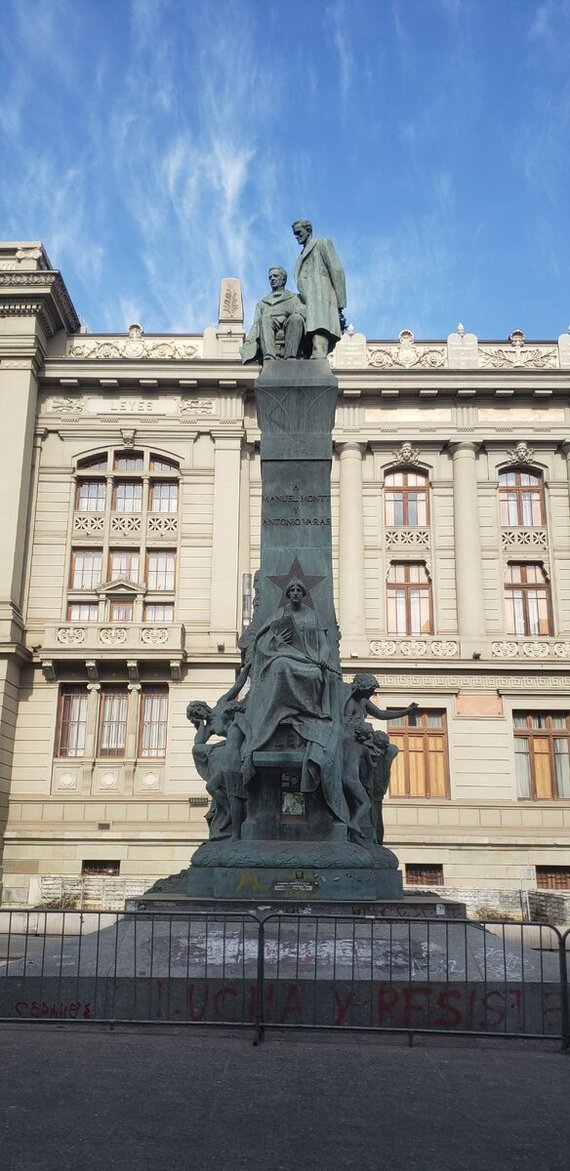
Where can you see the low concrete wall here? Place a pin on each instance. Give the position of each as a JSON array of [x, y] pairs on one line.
[[495, 1007]]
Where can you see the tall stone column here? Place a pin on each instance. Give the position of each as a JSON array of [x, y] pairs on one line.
[[351, 543], [244, 521], [225, 548], [565, 449], [467, 540]]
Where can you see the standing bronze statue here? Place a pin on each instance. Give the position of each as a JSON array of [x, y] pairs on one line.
[[321, 283]]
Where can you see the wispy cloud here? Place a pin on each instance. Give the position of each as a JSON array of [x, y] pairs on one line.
[[159, 146], [339, 21]]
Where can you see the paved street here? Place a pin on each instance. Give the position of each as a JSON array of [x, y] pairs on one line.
[[82, 1099]]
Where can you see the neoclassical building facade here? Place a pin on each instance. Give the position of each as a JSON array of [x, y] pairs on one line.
[[131, 532]]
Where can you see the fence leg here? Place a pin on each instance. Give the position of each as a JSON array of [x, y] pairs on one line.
[[259, 1034], [565, 1013]]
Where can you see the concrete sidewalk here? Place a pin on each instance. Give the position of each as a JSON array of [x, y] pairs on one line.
[[82, 1099]]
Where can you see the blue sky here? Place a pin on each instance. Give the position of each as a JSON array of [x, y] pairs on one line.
[[155, 146]]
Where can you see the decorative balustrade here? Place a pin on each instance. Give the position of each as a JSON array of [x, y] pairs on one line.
[[415, 648], [531, 648], [407, 537], [98, 638], [521, 539]]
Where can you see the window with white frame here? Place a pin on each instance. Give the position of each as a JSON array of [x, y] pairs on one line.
[[161, 566], [527, 599], [542, 754], [405, 499], [521, 498], [409, 598]]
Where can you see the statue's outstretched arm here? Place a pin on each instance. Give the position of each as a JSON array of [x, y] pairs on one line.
[[393, 713], [237, 686]]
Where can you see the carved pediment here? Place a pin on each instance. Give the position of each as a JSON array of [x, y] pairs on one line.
[[120, 588]]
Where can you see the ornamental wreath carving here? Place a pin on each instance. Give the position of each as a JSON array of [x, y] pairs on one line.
[[536, 650], [71, 635], [413, 648], [113, 635], [153, 636], [407, 354], [519, 355], [505, 650], [383, 647], [444, 648], [133, 346]]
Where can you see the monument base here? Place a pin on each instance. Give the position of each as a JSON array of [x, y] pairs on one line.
[[290, 872]]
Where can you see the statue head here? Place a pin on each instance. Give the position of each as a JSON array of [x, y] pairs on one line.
[[198, 711], [277, 277], [295, 591], [302, 229], [365, 683]]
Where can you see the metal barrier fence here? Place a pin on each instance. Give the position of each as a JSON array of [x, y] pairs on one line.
[[286, 970]]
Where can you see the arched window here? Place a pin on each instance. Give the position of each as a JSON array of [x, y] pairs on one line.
[[527, 599], [406, 498], [409, 598], [125, 501], [521, 498]]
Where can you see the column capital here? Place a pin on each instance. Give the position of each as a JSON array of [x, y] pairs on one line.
[[347, 446], [465, 447]]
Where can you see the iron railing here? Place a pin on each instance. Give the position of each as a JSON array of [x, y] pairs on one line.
[[286, 970]]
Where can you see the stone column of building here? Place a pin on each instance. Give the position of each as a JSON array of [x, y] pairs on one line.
[[352, 618], [244, 521], [34, 304], [225, 540], [565, 449], [468, 569]]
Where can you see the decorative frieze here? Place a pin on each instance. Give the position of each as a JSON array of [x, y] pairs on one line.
[[415, 648], [450, 682], [531, 649], [407, 354], [134, 346], [519, 355]]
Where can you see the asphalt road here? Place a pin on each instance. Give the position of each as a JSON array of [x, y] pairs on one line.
[[86, 1099]]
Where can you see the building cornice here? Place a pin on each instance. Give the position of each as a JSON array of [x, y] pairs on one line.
[[38, 294]]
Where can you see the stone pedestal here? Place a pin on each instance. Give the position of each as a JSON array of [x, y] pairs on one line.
[[289, 872], [304, 836]]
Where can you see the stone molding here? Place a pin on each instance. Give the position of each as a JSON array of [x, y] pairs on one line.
[[52, 303]]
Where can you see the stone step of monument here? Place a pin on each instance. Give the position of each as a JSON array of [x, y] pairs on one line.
[[409, 907]]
